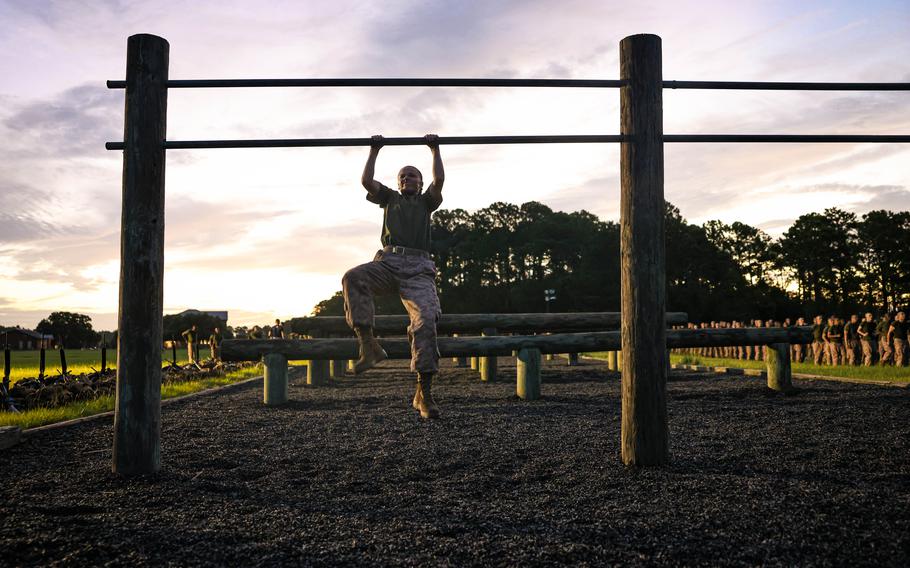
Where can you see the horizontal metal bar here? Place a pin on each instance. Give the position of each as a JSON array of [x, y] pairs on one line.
[[785, 86], [824, 138], [407, 141], [378, 82], [576, 83], [567, 139]]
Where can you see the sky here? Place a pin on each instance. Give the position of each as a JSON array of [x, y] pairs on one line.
[[266, 233]]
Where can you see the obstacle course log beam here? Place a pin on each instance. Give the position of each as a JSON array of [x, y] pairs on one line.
[[502, 345], [460, 323], [137, 416]]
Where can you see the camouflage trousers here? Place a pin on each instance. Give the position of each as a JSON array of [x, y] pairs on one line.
[[851, 348], [413, 279], [886, 351], [868, 352]]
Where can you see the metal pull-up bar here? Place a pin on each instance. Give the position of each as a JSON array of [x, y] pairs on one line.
[[489, 140], [481, 82]]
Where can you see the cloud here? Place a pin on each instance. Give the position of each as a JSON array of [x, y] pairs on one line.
[[75, 123]]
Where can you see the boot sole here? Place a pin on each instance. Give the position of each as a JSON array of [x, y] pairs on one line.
[[375, 362]]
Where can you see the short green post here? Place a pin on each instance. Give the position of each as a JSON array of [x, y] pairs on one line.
[[317, 372], [489, 364], [778, 365], [460, 362], [528, 374], [274, 379]]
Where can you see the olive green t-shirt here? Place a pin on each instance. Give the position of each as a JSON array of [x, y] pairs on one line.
[[406, 218], [850, 331], [817, 332], [882, 328], [900, 330]]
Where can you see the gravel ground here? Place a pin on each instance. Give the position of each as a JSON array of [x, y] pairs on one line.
[[349, 474]]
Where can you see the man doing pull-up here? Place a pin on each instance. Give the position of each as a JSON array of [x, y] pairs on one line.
[[404, 266]]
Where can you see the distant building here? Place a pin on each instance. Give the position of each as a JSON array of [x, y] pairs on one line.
[[20, 339], [223, 316]]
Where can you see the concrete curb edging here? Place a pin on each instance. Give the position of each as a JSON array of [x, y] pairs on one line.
[[215, 390]]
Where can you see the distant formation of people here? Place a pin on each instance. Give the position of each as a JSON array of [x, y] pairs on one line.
[[835, 341]]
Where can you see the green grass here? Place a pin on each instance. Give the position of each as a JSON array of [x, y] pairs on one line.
[[24, 364], [894, 374], [41, 416]]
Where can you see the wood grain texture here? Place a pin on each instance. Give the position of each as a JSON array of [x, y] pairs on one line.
[[644, 435], [137, 422], [503, 345], [462, 323]]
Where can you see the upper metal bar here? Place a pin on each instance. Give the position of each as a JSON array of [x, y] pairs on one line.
[[403, 82], [560, 139], [406, 141], [578, 83], [784, 86], [786, 138]]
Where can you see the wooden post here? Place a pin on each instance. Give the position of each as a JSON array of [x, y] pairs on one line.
[[174, 353], [42, 363], [489, 364], [473, 363], [103, 359], [528, 374], [317, 372], [460, 362], [274, 379], [778, 366], [337, 370], [7, 364], [63, 367], [612, 359], [137, 418], [645, 437]]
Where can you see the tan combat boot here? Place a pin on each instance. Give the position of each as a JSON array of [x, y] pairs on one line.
[[371, 353], [423, 398]]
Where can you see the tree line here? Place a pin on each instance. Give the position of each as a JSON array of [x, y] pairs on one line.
[[502, 258]]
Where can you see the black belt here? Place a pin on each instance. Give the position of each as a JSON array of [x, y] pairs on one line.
[[406, 251]]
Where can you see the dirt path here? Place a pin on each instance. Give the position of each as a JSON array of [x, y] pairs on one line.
[[349, 474]]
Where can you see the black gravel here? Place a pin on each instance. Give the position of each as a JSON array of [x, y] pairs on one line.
[[349, 474]]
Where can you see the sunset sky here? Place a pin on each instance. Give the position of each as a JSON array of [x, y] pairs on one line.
[[267, 233]]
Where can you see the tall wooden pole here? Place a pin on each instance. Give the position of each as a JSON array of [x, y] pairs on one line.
[[645, 438], [137, 419]]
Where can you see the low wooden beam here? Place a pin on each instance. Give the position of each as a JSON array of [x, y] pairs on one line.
[[461, 323], [326, 349]]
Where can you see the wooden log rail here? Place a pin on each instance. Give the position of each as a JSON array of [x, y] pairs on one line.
[[503, 323], [328, 349]]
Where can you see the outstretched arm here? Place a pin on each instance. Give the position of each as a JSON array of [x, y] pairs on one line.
[[439, 175], [369, 170]]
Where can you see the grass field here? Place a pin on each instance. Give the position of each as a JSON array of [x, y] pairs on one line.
[[42, 416], [864, 373], [24, 364]]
